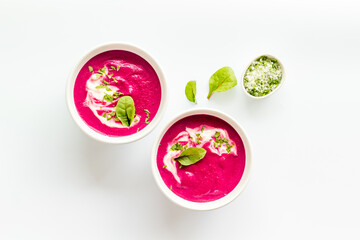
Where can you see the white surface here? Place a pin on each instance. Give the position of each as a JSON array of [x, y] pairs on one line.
[[57, 183]]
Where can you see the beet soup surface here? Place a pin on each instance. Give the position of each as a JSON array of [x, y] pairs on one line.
[[214, 176]]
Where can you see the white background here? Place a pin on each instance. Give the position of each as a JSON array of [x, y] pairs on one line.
[[57, 183]]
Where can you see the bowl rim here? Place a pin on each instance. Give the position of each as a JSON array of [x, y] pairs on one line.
[[70, 92], [201, 206], [272, 92]]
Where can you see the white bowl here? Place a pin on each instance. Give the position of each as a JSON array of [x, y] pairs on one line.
[[70, 94], [276, 89], [203, 205]]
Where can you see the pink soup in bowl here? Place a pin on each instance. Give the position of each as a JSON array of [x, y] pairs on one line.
[[116, 93], [201, 159]]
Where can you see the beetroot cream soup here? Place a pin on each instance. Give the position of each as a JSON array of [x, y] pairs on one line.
[[214, 176], [107, 77]]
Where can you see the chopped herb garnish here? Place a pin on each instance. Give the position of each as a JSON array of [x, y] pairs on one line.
[[110, 76], [180, 166], [91, 69], [102, 70], [202, 129], [176, 147], [170, 187], [219, 141], [104, 115], [137, 130], [114, 80], [164, 166], [108, 98], [103, 86], [228, 147], [117, 68], [117, 94], [147, 116], [112, 68], [97, 75], [105, 82]]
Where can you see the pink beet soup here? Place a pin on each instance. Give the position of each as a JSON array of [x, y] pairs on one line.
[[106, 78], [214, 176]]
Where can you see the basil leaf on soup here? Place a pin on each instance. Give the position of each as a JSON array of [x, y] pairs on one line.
[[190, 91], [125, 110], [190, 156], [222, 80]]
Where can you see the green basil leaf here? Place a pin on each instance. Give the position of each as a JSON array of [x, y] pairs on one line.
[[191, 156], [125, 110], [190, 91], [222, 80]]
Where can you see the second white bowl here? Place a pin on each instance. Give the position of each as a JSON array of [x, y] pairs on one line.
[[203, 205]]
